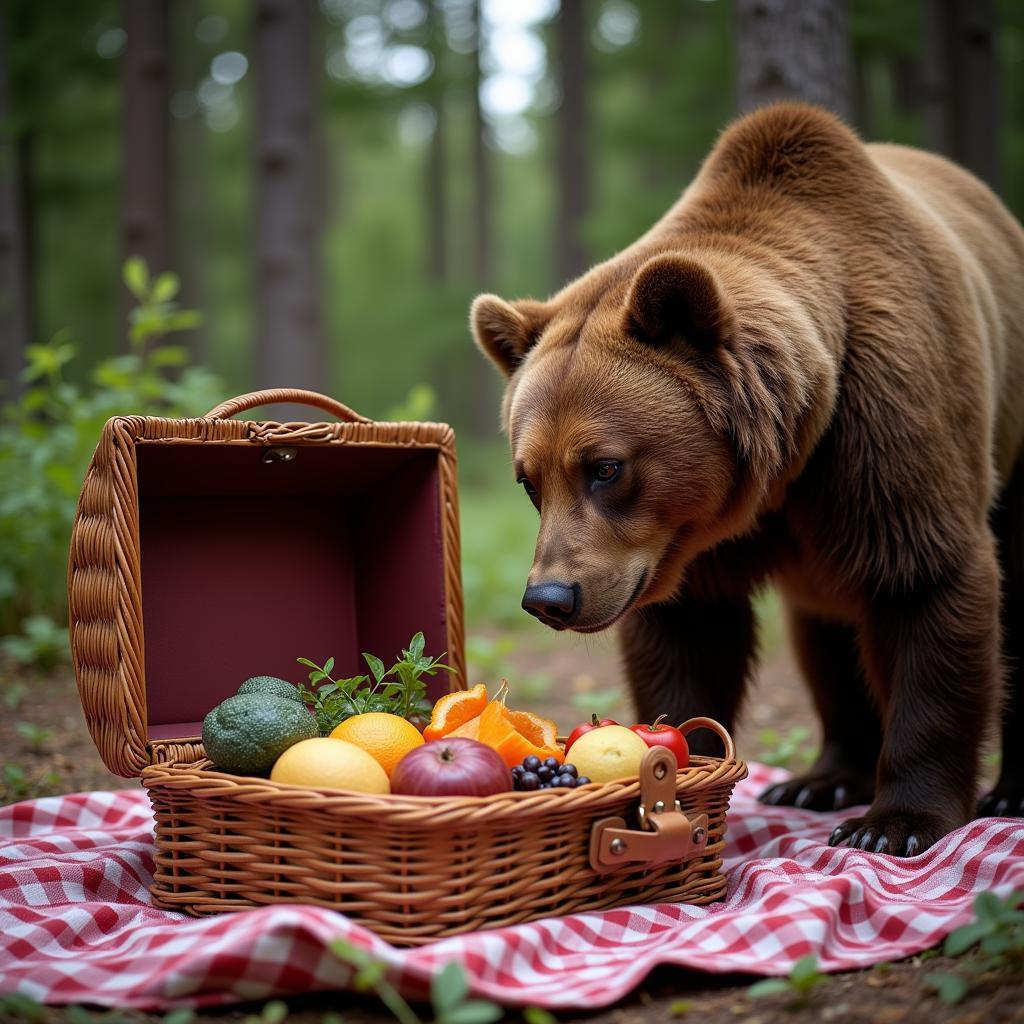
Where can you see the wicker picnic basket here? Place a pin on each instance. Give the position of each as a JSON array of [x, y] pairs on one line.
[[205, 550]]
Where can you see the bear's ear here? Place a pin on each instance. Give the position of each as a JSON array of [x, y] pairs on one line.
[[674, 296], [506, 331]]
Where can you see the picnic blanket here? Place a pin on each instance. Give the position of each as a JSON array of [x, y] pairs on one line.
[[76, 923]]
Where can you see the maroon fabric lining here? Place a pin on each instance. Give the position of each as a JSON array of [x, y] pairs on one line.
[[247, 565]]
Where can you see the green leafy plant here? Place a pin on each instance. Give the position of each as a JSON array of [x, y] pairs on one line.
[[803, 978], [14, 694], [42, 643], [400, 690], [18, 1006], [788, 750], [47, 438], [449, 990], [272, 1013], [18, 784], [998, 933], [36, 736], [599, 702]]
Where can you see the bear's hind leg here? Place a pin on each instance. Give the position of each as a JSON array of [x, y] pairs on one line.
[[844, 773], [689, 658], [1007, 798]]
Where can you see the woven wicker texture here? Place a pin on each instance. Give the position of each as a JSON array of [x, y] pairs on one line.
[[415, 869], [104, 588]]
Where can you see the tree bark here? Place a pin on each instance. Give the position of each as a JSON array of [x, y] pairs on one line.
[[437, 220], [14, 317], [145, 133], [290, 344], [573, 163], [789, 50], [481, 164], [960, 89], [189, 155]]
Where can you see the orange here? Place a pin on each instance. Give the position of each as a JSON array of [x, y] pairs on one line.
[[330, 764], [470, 730], [387, 738], [516, 734], [454, 710]]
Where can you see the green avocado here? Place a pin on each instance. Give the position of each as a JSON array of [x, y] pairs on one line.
[[272, 686], [247, 733]]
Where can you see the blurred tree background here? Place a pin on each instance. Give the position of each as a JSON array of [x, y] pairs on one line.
[[334, 182]]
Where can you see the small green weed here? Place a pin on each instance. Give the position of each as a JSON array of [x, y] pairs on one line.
[[41, 644], [272, 1013], [14, 694], [17, 784], [16, 1006], [36, 736], [800, 983], [789, 750], [998, 932], [448, 990]]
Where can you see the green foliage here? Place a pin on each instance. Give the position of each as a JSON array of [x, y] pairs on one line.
[[42, 643], [803, 978], [997, 935], [36, 736], [787, 750], [399, 690], [599, 702], [16, 1006], [46, 441], [18, 784], [273, 1012], [488, 659], [449, 990]]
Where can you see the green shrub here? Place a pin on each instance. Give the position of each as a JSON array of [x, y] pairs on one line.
[[48, 437]]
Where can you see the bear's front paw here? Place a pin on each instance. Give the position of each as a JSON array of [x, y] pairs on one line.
[[1005, 801], [821, 791], [900, 833]]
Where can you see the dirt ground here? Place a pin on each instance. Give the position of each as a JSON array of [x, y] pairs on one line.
[[46, 749]]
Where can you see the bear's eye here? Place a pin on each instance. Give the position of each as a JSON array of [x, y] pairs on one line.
[[606, 470], [527, 486]]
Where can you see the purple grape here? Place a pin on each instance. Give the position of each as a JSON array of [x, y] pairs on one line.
[[531, 762], [552, 763], [583, 781], [568, 769], [529, 780], [545, 773]]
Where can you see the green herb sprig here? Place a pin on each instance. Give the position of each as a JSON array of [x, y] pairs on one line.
[[400, 690]]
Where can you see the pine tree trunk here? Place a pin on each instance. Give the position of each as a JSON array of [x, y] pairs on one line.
[[290, 344], [437, 221], [789, 50], [485, 419], [960, 84], [14, 318], [189, 200], [573, 163], [145, 133]]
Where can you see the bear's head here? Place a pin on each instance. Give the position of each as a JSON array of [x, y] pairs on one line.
[[650, 416]]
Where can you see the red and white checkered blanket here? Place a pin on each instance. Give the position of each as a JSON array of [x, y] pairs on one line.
[[76, 924]]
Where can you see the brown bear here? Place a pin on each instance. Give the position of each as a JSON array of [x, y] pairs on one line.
[[809, 372]]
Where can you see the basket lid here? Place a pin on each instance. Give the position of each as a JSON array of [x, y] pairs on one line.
[[209, 550]]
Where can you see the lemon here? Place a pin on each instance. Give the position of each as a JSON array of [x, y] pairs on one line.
[[330, 764], [609, 753]]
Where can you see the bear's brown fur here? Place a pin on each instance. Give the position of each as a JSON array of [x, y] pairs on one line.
[[809, 371]]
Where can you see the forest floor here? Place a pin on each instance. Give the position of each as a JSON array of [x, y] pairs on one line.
[[46, 750]]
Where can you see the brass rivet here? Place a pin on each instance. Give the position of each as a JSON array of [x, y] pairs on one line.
[[617, 846], [280, 453], [699, 834], [659, 806]]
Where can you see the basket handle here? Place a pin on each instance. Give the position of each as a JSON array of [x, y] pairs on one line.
[[717, 728], [274, 395]]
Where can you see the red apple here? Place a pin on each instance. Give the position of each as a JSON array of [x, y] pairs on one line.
[[585, 727], [453, 766], [658, 735]]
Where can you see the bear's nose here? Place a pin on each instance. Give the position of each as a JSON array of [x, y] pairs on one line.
[[556, 601]]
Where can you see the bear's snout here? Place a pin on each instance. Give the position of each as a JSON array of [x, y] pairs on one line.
[[555, 604]]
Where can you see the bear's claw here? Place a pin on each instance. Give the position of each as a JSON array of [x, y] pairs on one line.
[[900, 835]]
